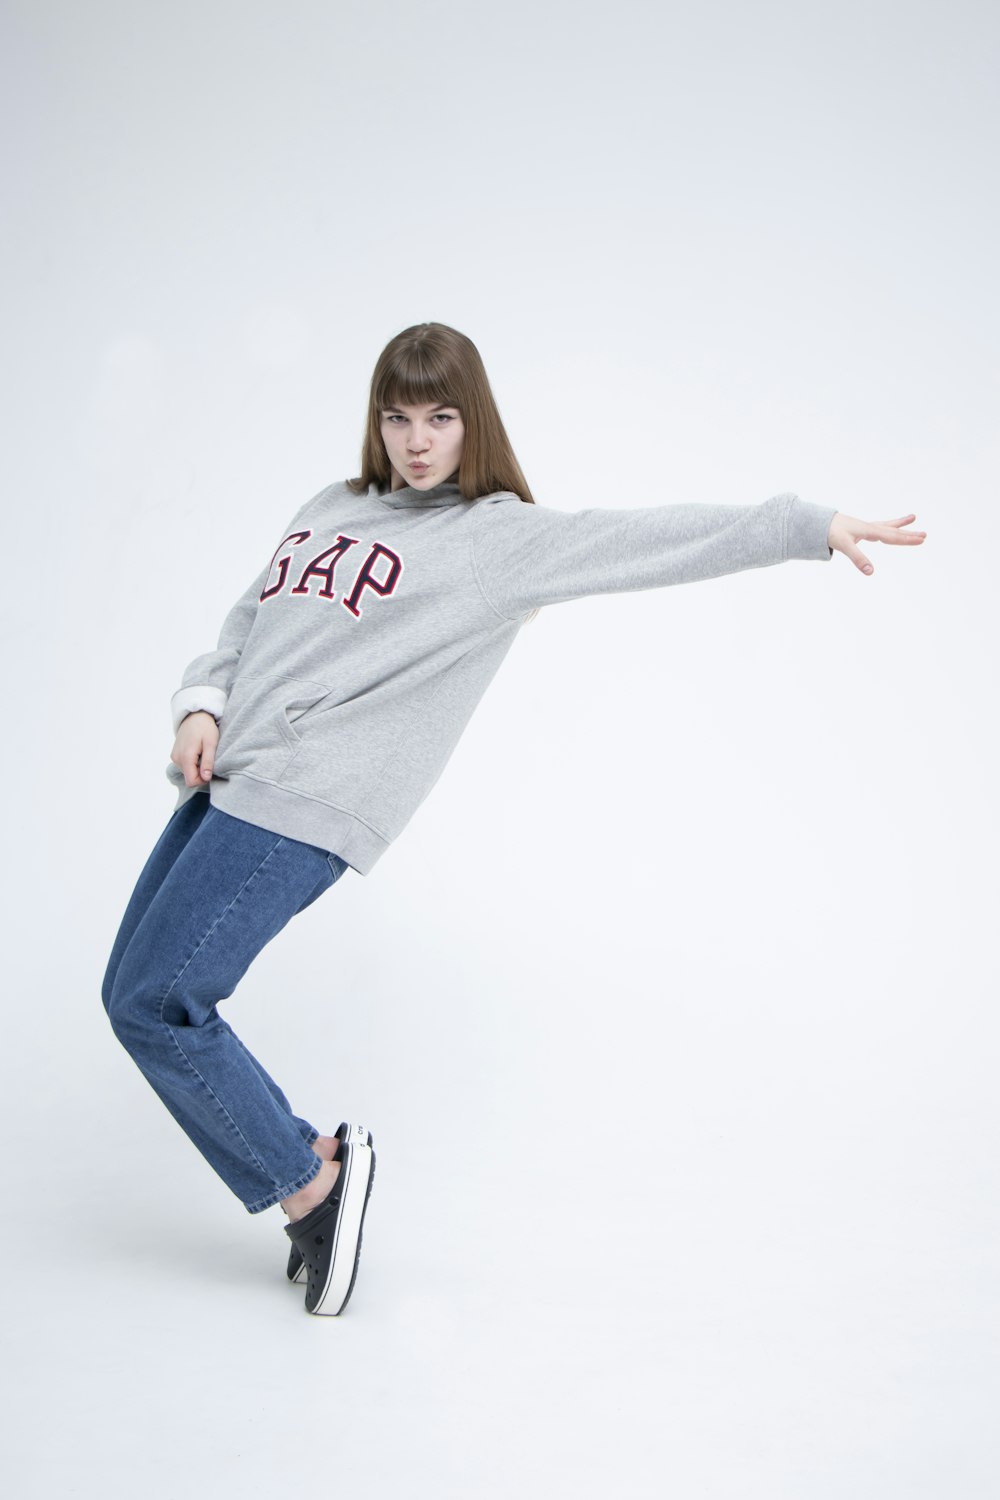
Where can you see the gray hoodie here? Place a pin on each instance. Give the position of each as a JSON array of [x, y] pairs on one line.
[[346, 673]]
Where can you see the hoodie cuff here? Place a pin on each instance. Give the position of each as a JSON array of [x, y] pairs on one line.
[[211, 700], [806, 530]]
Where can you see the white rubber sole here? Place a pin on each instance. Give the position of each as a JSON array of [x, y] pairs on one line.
[[357, 1135], [359, 1164]]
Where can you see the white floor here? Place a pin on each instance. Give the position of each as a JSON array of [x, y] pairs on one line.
[[712, 1302]]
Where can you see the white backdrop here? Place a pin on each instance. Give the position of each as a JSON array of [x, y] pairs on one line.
[[673, 1008]]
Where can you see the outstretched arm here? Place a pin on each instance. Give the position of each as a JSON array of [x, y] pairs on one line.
[[527, 556]]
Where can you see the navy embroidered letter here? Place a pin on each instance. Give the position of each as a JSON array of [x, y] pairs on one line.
[[365, 580], [338, 549], [294, 536]]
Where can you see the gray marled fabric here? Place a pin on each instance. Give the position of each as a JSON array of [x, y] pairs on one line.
[[346, 673]]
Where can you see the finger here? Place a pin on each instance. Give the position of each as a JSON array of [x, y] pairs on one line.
[[858, 558], [886, 531], [207, 762], [189, 765]]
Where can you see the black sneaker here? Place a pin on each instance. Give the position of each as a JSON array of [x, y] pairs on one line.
[[296, 1268], [329, 1237]]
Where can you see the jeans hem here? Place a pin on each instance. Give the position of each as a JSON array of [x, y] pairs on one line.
[[312, 1136], [260, 1204]]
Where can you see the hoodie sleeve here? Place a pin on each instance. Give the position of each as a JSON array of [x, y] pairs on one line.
[[526, 556], [207, 680]]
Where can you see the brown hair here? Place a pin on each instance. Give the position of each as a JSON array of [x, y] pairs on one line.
[[431, 362]]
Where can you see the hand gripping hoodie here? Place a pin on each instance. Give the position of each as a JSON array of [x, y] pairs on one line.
[[346, 673]]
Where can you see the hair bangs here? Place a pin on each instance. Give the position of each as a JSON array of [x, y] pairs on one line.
[[417, 379]]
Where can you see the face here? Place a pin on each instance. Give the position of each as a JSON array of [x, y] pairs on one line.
[[431, 436]]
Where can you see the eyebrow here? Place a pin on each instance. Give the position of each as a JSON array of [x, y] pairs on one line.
[[441, 406]]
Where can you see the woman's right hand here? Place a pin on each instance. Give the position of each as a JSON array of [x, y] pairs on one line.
[[194, 747]]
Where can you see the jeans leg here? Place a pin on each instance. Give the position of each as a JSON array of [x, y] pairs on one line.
[[309, 1132], [183, 824], [230, 889]]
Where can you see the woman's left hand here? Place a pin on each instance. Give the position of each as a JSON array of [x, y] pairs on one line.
[[846, 531]]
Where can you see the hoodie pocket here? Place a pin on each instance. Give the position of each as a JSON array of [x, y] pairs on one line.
[[258, 731]]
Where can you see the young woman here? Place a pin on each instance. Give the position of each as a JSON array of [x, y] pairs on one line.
[[340, 685]]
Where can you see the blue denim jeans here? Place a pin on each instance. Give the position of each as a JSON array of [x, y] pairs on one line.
[[211, 895]]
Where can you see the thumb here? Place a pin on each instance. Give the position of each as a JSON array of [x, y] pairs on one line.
[[207, 763], [843, 537], [849, 547]]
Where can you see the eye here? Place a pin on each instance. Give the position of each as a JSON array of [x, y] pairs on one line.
[[395, 416]]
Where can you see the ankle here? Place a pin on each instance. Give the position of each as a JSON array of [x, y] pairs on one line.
[[325, 1146], [315, 1190]]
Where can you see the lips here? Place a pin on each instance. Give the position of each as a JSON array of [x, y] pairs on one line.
[[420, 468]]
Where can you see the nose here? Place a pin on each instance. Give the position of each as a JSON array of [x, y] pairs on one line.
[[418, 440]]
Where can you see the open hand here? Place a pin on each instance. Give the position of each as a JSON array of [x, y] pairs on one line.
[[846, 531]]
